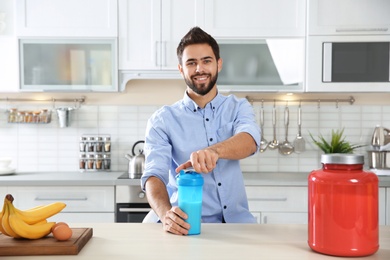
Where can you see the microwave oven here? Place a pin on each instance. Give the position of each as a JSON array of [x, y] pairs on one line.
[[348, 63]]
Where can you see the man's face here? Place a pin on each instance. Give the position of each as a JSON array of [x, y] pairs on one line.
[[200, 68]]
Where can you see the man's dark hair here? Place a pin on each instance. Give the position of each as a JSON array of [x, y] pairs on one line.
[[197, 36]]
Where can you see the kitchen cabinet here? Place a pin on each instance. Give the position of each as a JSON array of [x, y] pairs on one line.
[[278, 204], [9, 64], [334, 17], [387, 205], [255, 18], [150, 30], [383, 207], [83, 203], [66, 18]]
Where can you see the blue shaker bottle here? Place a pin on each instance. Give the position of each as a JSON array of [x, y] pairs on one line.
[[190, 189]]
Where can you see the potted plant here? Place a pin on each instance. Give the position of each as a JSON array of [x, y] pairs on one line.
[[337, 143]]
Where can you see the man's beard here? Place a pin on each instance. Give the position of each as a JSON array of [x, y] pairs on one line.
[[201, 89]]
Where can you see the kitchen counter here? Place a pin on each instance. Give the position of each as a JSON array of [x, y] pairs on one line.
[[216, 241], [111, 178]]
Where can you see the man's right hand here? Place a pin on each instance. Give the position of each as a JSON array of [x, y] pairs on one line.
[[174, 222]]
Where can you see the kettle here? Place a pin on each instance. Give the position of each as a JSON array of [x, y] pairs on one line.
[[136, 162], [380, 137]]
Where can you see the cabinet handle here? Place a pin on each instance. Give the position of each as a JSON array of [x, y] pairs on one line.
[[60, 199], [268, 199], [362, 29], [134, 209]]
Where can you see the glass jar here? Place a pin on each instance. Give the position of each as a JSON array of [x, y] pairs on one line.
[[91, 161], [36, 117], [98, 161], [20, 117], [82, 144], [13, 115], [99, 144], [44, 116], [106, 162], [343, 207], [91, 144], [82, 161], [28, 117], [107, 144]]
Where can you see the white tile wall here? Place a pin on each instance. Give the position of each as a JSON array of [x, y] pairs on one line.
[[50, 148]]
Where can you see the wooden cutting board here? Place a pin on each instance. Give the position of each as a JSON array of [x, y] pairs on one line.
[[46, 245]]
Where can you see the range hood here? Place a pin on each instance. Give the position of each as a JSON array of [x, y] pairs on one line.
[[269, 65]]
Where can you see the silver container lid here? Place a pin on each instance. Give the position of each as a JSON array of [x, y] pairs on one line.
[[342, 158]]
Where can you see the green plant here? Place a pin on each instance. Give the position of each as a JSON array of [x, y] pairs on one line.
[[337, 143]]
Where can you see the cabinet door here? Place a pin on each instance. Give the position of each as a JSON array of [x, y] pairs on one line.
[[284, 218], [255, 18], [149, 31], [9, 64], [335, 17], [87, 18], [83, 217]]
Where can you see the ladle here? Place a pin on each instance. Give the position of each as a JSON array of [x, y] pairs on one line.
[[274, 143], [286, 147], [299, 142], [263, 142]]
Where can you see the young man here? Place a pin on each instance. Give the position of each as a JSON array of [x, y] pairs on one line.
[[205, 131]]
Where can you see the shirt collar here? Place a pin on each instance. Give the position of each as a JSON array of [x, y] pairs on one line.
[[213, 104]]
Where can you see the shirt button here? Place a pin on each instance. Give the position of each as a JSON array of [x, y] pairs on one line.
[[207, 119], [224, 207], [219, 184], [211, 139], [194, 110]]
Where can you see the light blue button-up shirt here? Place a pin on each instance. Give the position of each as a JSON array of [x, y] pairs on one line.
[[174, 132]]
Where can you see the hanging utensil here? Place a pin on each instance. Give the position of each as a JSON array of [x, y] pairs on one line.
[[274, 143], [286, 147], [299, 142], [263, 142]]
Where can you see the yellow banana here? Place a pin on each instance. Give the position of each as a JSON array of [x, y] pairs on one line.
[[1, 218], [22, 229], [37, 214], [8, 230]]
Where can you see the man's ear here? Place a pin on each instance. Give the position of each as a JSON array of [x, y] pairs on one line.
[[219, 62], [180, 67]]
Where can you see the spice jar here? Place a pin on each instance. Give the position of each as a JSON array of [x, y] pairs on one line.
[[28, 117], [13, 115], [343, 207], [107, 144], [107, 162], [82, 161], [20, 117], [91, 144], [99, 144], [36, 117], [82, 144], [98, 161], [91, 161], [44, 116]]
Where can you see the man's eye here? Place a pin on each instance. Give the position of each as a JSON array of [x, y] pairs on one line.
[[190, 63]]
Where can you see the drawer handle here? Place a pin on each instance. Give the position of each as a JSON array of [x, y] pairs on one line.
[[362, 29], [60, 199], [134, 209], [269, 199]]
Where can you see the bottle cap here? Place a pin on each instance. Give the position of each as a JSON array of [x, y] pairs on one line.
[[189, 178], [342, 158]]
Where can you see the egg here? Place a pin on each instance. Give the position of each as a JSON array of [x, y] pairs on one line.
[[62, 232], [58, 224]]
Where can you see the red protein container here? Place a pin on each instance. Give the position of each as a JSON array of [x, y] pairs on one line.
[[343, 207]]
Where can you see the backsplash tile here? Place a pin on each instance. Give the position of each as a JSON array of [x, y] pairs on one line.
[[46, 147]]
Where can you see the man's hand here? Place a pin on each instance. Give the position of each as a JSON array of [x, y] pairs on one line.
[[174, 222], [203, 161]]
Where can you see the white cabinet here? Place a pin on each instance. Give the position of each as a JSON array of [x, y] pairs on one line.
[[278, 204], [150, 30], [335, 17], [68, 18], [83, 203], [9, 64], [383, 208], [255, 18]]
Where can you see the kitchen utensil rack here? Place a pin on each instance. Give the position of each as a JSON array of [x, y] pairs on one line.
[[350, 100]]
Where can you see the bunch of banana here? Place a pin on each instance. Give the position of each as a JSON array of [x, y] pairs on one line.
[[31, 223]]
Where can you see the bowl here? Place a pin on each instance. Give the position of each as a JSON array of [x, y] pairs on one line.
[[5, 162]]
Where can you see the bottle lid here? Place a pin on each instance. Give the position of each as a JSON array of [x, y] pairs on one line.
[[189, 178], [342, 158]]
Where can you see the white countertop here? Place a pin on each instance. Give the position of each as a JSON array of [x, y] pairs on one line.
[[111, 178], [217, 241]]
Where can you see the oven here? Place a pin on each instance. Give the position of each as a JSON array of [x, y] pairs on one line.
[[131, 203]]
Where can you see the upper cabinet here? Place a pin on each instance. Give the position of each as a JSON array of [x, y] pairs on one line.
[[335, 17], [255, 18], [66, 18], [149, 32]]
